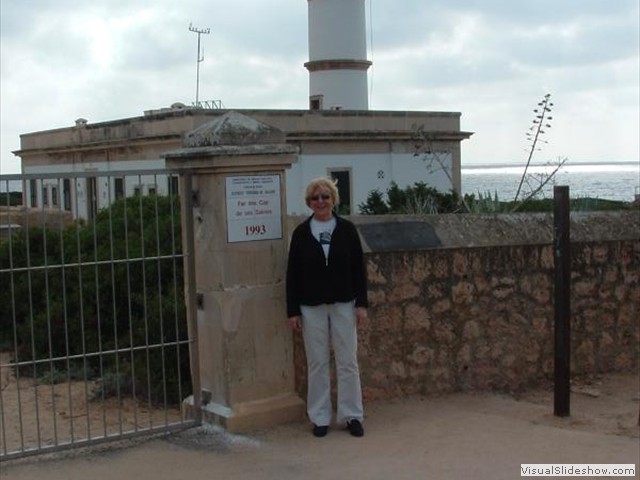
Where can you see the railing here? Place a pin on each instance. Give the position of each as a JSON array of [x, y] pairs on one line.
[[94, 341], [209, 104]]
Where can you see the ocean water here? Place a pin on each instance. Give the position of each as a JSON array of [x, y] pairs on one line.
[[612, 181]]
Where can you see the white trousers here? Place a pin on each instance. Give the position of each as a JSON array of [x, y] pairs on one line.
[[320, 324]]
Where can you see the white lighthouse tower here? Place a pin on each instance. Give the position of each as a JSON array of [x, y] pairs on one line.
[[337, 55]]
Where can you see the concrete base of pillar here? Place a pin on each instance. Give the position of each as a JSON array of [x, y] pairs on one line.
[[247, 416]]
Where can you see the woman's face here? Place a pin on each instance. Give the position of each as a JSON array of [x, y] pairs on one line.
[[321, 203]]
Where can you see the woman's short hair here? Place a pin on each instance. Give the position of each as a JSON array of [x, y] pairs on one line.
[[324, 184]]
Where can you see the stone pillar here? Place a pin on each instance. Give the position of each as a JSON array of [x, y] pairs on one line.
[[245, 348]]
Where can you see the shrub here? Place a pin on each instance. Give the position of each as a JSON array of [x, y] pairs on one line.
[[419, 199], [92, 288], [374, 205]]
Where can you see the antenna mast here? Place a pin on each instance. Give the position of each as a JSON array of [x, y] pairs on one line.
[[199, 58]]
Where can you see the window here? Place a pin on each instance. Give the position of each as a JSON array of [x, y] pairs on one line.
[[315, 102], [172, 184], [33, 192], [66, 194], [137, 190], [45, 196], [343, 176], [54, 196], [151, 190], [119, 188]]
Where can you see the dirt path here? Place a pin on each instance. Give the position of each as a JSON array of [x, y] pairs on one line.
[[458, 436], [42, 415], [601, 403], [462, 436]]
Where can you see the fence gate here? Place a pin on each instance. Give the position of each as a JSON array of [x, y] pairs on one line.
[[94, 342]]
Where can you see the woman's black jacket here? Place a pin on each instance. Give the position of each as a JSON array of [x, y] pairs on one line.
[[312, 280]]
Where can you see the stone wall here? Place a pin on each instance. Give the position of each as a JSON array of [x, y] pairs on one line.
[[465, 318]]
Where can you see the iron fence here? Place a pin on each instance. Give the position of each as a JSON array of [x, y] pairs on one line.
[[94, 341]]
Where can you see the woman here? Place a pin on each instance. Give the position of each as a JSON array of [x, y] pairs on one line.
[[326, 300]]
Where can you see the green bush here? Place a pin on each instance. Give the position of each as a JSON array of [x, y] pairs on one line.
[[374, 205], [92, 288], [485, 203], [419, 199]]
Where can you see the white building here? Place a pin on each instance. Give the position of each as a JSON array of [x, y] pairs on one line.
[[337, 136]]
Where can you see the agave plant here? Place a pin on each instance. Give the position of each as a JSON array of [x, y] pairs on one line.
[[534, 135]]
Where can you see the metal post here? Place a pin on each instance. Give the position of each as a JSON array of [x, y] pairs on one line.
[[562, 306], [199, 59]]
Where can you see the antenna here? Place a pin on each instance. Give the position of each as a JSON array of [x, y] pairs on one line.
[[199, 58]]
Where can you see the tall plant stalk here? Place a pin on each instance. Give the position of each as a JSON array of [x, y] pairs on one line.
[[538, 122]]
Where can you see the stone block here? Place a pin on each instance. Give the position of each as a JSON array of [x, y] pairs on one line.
[[419, 268], [397, 369], [252, 415], [625, 362], [377, 297], [402, 292], [463, 292], [441, 306], [600, 254], [471, 330], [546, 258], [436, 291], [374, 275], [502, 292], [416, 318], [440, 267], [460, 264]]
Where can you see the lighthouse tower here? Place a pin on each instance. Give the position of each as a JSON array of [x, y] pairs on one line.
[[337, 55]]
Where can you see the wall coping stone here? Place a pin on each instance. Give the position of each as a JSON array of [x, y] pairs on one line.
[[383, 233]]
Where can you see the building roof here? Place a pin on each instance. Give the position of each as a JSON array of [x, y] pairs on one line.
[[169, 125]]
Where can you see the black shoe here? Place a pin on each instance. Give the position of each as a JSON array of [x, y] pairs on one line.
[[355, 428], [320, 430]]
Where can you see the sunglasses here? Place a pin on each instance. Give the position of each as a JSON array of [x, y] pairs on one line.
[[324, 197]]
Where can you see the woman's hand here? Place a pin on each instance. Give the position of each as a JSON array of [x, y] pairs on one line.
[[361, 316], [295, 323]]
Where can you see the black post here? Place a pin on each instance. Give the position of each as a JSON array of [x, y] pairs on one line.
[[562, 305]]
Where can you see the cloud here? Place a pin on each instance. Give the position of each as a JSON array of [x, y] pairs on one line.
[[491, 60]]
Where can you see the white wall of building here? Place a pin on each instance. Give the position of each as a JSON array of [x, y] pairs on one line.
[[50, 192], [346, 89], [367, 172]]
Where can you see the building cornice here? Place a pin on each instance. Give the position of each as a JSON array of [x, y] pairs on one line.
[[127, 143], [337, 64], [367, 135], [292, 137]]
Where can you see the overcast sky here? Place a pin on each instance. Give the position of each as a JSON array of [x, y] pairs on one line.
[[491, 60]]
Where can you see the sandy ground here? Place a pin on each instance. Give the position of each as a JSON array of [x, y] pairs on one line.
[[45, 415], [453, 436]]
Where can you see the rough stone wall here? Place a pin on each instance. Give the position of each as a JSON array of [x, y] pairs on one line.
[[481, 318]]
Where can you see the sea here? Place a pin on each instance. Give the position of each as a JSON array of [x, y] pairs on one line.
[[610, 181]]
